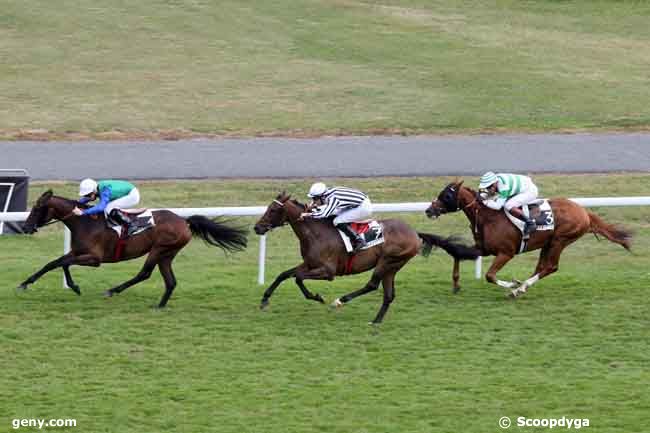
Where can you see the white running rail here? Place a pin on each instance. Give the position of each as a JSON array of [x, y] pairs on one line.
[[378, 208]]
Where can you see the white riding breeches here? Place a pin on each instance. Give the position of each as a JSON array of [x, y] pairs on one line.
[[360, 213], [128, 201], [523, 198]]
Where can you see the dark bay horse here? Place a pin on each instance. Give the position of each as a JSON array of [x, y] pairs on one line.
[[495, 235], [324, 255], [93, 242]]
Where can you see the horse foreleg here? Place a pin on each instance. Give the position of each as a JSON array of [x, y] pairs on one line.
[[278, 280], [455, 275], [69, 281], [499, 262], [322, 273], [307, 294], [64, 261]]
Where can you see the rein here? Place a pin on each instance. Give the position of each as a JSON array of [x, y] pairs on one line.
[[476, 209]]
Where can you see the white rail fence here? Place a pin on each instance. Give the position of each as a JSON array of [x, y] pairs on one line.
[[211, 212]]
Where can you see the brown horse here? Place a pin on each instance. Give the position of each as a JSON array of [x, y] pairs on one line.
[[324, 255], [94, 243], [494, 234]]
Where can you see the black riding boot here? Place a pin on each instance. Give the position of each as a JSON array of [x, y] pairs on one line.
[[530, 226], [357, 240], [529, 223], [123, 220]]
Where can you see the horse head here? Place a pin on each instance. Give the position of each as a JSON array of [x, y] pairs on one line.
[[448, 201], [275, 215], [40, 214], [48, 207]]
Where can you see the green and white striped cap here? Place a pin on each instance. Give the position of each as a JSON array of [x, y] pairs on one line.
[[487, 179]]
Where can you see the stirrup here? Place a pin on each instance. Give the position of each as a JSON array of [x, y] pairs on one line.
[[530, 226]]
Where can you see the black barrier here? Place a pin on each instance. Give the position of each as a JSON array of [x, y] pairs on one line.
[[14, 186]]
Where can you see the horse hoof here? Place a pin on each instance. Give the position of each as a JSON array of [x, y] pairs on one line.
[[22, 287], [513, 294], [318, 298], [337, 304], [76, 290], [263, 305], [455, 290], [108, 294]]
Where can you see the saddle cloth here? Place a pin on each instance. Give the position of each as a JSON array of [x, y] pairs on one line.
[[371, 230], [141, 220], [541, 212]]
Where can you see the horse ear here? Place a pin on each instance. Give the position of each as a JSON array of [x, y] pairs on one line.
[[45, 197], [460, 183]]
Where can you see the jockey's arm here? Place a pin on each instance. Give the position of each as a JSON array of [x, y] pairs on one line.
[[495, 203], [325, 210], [104, 199]]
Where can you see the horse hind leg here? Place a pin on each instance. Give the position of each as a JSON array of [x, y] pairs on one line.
[[144, 274], [388, 284], [549, 261], [370, 286], [165, 267]]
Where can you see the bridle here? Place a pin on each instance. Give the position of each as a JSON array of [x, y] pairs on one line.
[[473, 203], [56, 220]]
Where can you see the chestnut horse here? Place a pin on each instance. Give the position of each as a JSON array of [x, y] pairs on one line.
[[494, 234], [324, 255], [93, 242]]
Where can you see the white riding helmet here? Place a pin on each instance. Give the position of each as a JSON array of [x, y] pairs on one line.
[[317, 190], [487, 179], [87, 186]]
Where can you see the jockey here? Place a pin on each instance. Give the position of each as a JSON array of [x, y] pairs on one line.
[[349, 205], [113, 195], [509, 191]]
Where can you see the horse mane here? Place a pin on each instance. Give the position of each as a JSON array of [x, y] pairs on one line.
[[297, 203], [74, 202]]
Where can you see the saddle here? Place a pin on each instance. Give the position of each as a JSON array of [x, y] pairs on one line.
[[371, 230], [139, 220], [539, 211]]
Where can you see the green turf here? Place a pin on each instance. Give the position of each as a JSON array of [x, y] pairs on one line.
[[315, 66], [576, 345]]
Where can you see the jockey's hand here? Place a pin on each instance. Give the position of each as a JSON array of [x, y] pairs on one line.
[[304, 215], [77, 211]]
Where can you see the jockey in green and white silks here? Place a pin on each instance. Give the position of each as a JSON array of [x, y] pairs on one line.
[[112, 194], [509, 191]]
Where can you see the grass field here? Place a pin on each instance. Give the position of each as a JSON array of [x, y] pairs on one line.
[[172, 68], [576, 345]]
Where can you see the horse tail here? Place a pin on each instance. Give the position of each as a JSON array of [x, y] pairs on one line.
[[218, 234], [614, 233], [451, 245]]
